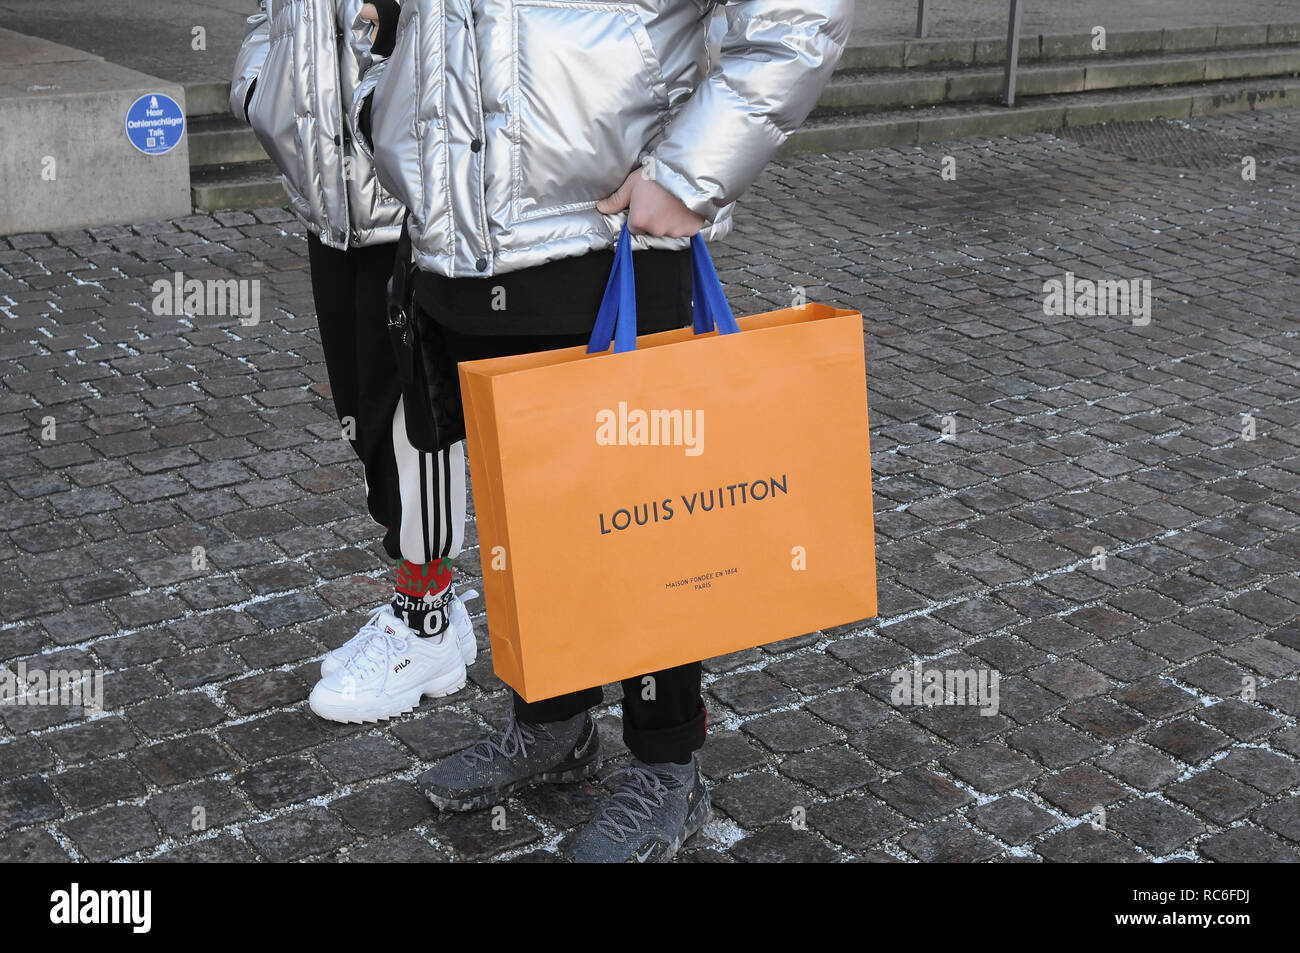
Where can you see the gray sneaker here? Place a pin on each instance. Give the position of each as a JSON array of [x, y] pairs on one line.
[[519, 755], [649, 816]]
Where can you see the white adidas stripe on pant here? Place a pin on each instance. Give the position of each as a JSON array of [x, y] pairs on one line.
[[432, 489]]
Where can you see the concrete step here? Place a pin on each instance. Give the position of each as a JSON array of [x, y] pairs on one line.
[[207, 99], [236, 185], [900, 127], [1045, 48], [221, 140], [871, 89]]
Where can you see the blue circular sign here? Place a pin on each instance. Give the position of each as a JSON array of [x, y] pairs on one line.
[[155, 124]]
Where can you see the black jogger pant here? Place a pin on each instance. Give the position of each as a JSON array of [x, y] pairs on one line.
[[663, 714], [419, 498]]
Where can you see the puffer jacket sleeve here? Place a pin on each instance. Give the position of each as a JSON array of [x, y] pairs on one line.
[[774, 60], [248, 64]]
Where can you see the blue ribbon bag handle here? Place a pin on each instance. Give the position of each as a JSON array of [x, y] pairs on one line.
[[616, 319]]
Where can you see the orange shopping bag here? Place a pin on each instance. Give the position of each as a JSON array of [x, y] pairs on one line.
[[693, 493]]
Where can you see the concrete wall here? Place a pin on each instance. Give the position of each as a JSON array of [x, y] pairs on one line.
[[63, 112]]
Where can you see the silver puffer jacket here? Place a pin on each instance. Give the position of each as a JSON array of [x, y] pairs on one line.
[[306, 58], [500, 123]]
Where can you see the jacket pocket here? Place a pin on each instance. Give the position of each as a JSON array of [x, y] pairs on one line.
[[587, 93]]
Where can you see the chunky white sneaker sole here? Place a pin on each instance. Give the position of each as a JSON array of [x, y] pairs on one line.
[[461, 624], [333, 706]]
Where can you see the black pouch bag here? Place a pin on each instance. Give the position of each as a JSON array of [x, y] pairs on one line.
[[430, 383]]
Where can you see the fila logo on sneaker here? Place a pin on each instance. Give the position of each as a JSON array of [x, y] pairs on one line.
[[401, 665]]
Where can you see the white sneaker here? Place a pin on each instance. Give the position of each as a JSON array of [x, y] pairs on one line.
[[459, 620], [389, 673], [462, 625]]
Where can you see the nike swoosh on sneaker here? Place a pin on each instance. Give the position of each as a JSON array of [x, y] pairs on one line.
[[580, 753], [642, 857]]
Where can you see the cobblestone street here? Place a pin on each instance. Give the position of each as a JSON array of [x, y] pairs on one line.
[[1097, 525]]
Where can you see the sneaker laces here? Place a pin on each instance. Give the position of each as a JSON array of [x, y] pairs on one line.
[[377, 648], [363, 633], [633, 802], [511, 740]]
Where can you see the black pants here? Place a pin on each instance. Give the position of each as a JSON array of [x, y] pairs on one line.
[[663, 713], [418, 497]]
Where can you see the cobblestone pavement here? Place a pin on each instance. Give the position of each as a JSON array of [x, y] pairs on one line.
[[1155, 678]]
